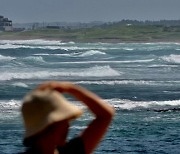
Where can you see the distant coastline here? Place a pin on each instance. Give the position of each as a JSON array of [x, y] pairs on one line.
[[111, 34]]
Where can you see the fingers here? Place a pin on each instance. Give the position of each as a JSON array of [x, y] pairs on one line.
[[55, 85], [46, 85]]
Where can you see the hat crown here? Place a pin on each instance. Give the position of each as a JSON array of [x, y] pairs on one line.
[[42, 108]]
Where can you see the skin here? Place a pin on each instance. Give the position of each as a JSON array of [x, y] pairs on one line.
[[94, 132]]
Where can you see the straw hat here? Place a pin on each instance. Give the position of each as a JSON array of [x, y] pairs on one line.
[[42, 108]]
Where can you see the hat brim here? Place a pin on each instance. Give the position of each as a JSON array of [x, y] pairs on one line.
[[43, 108]]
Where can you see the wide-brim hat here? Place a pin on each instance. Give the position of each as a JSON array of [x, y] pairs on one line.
[[43, 108]]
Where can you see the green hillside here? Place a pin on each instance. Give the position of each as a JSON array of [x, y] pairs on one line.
[[113, 33]]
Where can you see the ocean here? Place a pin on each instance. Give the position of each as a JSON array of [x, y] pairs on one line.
[[141, 80]]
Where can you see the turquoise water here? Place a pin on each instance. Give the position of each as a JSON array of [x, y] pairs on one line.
[[141, 80]]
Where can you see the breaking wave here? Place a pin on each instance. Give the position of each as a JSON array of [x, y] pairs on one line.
[[92, 52], [128, 49], [77, 54], [109, 62], [6, 57], [172, 58], [31, 42], [20, 84], [9, 105], [96, 71], [126, 82], [34, 59], [119, 104], [148, 105]]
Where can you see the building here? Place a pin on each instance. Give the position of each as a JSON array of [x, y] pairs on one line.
[[5, 24]]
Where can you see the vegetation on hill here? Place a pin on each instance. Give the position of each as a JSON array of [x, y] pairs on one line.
[[104, 33]]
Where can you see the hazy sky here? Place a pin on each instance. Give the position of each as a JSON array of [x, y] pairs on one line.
[[88, 10]]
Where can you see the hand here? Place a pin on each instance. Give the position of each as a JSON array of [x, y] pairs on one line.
[[55, 85]]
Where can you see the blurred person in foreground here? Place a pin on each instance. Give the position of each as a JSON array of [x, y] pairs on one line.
[[47, 116]]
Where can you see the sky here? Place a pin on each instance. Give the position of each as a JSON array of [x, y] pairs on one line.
[[23, 11]]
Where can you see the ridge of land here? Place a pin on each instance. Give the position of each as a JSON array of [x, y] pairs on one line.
[[111, 33]]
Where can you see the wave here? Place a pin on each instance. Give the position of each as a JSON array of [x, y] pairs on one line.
[[117, 82], [44, 44], [119, 104], [27, 75], [48, 54], [20, 84], [108, 62], [92, 52], [147, 105], [171, 58], [9, 105], [34, 59], [31, 42], [129, 82], [55, 45], [79, 54], [150, 46], [78, 127], [128, 49], [17, 46], [49, 47], [100, 71], [158, 66], [96, 71], [6, 57]]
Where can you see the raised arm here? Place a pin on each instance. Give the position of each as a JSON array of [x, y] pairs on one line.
[[103, 112]]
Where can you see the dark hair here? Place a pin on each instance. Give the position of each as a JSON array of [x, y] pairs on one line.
[[30, 141]]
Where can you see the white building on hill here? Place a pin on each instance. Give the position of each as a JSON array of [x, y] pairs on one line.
[[5, 24]]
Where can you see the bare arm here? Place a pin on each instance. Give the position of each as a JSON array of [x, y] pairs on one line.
[[102, 111]]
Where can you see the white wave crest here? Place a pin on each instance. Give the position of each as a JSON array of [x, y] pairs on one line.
[[172, 58], [78, 127], [41, 54], [156, 66], [117, 82], [100, 71], [97, 71], [17, 46], [92, 52], [108, 62], [42, 44], [34, 58], [58, 54], [6, 57], [128, 49], [130, 105], [71, 47], [31, 42], [9, 105], [27, 75], [20, 84]]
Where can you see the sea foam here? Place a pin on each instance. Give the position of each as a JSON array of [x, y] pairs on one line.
[[6, 57], [9, 105], [20, 84], [172, 58], [91, 53], [96, 71], [148, 105], [34, 59]]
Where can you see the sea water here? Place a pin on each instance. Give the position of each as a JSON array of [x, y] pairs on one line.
[[141, 80]]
